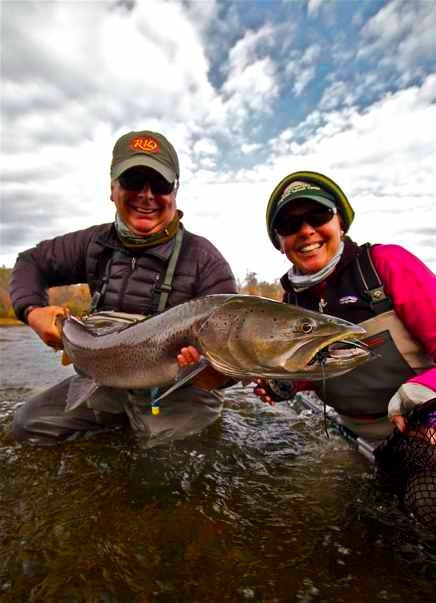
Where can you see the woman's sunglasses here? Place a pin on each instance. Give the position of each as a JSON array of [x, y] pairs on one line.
[[135, 180], [291, 224]]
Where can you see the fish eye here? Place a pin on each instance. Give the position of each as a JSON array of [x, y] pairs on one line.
[[304, 325]]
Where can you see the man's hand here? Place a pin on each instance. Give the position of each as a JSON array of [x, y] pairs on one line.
[[43, 322], [209, 378], [187, 356]]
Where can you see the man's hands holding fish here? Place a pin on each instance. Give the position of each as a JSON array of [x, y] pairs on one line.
[[43, 320], [209, 378]]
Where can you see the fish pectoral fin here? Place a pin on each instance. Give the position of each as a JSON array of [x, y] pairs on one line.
[[79, 391], [185, 376]]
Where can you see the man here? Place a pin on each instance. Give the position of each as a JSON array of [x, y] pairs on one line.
[[142, 263]]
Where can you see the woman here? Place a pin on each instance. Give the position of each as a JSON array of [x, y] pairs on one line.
[[384, 288]]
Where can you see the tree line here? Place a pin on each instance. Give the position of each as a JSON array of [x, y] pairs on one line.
[[77, 298]]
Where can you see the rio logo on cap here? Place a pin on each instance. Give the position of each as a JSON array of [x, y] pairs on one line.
[[147, 144]]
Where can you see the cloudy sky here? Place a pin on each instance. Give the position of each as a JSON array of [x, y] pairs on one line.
[[248, 91]]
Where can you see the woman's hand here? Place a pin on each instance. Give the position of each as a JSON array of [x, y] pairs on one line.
[[44, 322], [209, 378], [273, 390], [263, 392], [400, 422]]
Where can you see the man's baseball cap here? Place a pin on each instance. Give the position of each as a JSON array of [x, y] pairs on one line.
[[306, 185], [146, 148]]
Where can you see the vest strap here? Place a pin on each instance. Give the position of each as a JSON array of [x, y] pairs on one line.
[[101, 289], [161, 293], [372, 284]]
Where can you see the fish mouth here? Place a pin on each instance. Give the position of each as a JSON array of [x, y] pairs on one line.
[[342, 350], [338, 357]]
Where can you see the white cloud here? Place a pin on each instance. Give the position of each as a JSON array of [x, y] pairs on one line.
[[78, 75], [313, 6], [403, 33], [205, 146], [382, 157], [336, 95], [247, 148], [251, 83], [303, 68]]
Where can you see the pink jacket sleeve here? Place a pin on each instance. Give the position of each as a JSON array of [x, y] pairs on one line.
[[412, 288]]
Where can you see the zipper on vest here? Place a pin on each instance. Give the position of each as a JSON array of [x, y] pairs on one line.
[[321, 305]]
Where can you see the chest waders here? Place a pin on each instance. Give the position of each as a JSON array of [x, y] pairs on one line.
[[366, 390], [160, 295], [405, 462]]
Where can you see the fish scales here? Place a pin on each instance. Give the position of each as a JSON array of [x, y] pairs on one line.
[[140, 355], [242, 336]]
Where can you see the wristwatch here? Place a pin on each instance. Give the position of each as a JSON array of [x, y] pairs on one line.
[[28, 310]]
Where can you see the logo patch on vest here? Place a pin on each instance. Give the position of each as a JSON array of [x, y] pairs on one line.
[[147, 144], [348, 299]]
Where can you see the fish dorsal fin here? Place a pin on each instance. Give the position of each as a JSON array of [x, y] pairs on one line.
[[105, 323], [79, 391]]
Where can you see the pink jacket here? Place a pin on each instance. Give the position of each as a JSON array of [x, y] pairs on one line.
[[412, 289]]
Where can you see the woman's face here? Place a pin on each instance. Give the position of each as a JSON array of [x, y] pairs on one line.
[[310, 248]]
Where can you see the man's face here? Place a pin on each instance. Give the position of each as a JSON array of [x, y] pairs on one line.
[[142, 200]]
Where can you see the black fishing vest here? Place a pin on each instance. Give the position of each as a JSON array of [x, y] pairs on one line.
[[355, 293], [162, 276]]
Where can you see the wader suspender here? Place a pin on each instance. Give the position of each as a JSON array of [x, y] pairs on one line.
[[159, 296], [373, 287], [101, 290]]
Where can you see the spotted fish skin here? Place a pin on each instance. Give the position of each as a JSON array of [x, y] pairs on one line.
[[242, 336]]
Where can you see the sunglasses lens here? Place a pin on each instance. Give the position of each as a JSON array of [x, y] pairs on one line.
[[321, 216], [135, 180], [315, 218], [161, 187]]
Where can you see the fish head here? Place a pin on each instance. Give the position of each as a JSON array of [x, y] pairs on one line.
[[250, 337]]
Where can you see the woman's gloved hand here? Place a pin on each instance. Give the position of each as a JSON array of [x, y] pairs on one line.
[[271, 391], [43, 320], [406, 398]]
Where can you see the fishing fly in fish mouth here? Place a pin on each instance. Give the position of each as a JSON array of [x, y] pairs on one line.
[[244, 337]]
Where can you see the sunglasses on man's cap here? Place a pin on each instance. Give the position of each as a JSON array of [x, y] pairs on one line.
[[135, 179], [291, 223]]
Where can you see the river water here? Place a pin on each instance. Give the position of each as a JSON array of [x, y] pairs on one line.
[[259, 507]]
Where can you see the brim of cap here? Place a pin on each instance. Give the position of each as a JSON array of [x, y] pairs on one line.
[[291, 198], [146, 161]]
